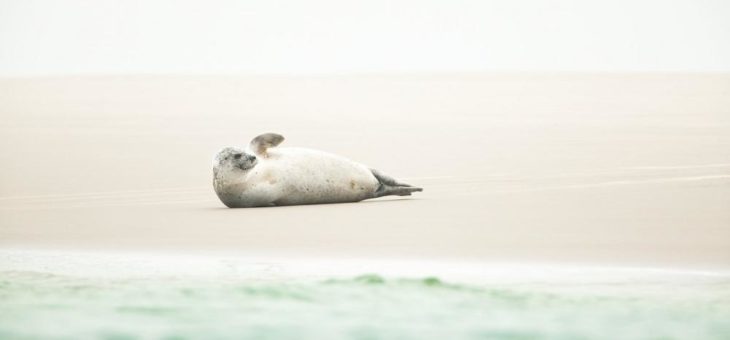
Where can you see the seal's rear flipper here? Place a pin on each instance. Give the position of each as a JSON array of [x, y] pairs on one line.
[[387, 180], [385, 190], [261, 143], [390, 186]]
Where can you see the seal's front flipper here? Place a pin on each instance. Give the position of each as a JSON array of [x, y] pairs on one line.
[[262, 143], [390, 186]]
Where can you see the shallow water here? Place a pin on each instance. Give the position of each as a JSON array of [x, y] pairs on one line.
[[35, 305]]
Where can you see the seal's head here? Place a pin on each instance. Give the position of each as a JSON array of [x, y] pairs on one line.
[[234, 159]]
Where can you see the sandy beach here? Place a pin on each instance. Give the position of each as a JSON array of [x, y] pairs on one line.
[[574, 160], [615, 169], [601, 199]]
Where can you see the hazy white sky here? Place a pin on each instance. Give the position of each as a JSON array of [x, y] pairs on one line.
[[323, 36]]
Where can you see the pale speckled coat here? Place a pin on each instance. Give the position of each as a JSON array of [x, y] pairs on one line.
[[265, 175], [290, 176]]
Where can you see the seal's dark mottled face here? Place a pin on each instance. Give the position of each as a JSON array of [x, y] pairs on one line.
[[234, 158]]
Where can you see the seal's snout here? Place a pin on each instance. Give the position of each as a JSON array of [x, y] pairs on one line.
[[251, 158]]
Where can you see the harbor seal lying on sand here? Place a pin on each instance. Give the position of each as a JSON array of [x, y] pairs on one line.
[[264, 175]]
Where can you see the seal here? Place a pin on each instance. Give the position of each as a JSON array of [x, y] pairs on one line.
[[267, 175]]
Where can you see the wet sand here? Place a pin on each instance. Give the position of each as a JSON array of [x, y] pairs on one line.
[[611, 169]]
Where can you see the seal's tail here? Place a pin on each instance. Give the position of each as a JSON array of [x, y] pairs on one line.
[[390, 186]]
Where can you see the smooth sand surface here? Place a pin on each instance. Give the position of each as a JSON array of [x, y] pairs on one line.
[[625, 169]]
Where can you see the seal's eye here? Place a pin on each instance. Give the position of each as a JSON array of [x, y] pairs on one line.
[[237, 156]]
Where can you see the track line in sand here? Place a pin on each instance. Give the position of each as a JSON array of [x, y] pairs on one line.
[[495, 183], [600, 184], [110, 198], [671, 167], [104, 204], [105, 193]]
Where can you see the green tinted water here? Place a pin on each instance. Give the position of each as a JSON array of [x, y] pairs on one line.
[[45, 306]]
